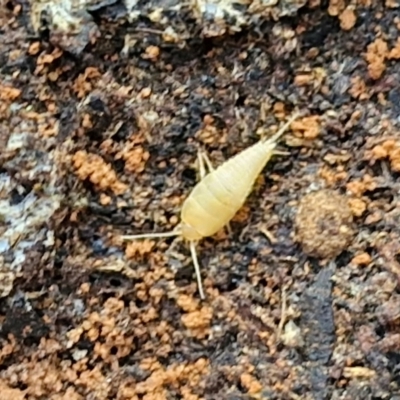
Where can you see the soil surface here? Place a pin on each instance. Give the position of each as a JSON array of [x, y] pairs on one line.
[[103, 108]]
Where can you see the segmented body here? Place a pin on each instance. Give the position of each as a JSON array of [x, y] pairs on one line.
[[218, 196]]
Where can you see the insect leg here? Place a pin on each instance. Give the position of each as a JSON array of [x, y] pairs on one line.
[[203, 160], [207, 161], [280, 153], [196, 268], [202, 168]]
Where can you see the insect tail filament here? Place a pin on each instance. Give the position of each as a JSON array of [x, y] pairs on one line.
[[152, 235], [281, 131]]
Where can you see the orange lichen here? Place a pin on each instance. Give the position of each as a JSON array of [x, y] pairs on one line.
[[151, 53], [373, 218], [47, 127], [358, 187], [187, 303], [105, 200], [70, 394], [279, 109], [127, 391], [331, 176], [174, 376], [45, 59], [251, 384], [307, 127], [15, 54], [332, 158], [145, 92], [135, 158], [394, 157], [362, 259], [358, 372], [358, 88], [95, 381], [74, 335], [347, 18], [377, 52], [394, 54], [209, 133], [115, 343], [34, 48], [381, 151], [86, 121], [357, 207], [8, 393], [316, 77], [391, 4], [47, 124], [303, 79], [138, 248], [9, 93], [84, 82], [97, 171], [198, 321], [336, 7], [47, 378], [388, 149]]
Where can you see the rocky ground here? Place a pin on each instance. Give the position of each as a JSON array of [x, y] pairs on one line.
[[103, 107]]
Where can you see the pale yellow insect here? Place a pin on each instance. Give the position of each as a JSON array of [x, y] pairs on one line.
[[219, 195]]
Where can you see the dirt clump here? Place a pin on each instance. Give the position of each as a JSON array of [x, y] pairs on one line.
[[324, 224]]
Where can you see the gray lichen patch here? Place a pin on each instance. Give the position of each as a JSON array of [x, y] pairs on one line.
[[72, 28], [29, 193]]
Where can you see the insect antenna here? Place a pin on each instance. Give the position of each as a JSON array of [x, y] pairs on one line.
[[152, 235], [281, 131], [196, 268]]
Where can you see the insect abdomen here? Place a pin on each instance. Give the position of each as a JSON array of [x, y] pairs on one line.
[[217, 198]]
